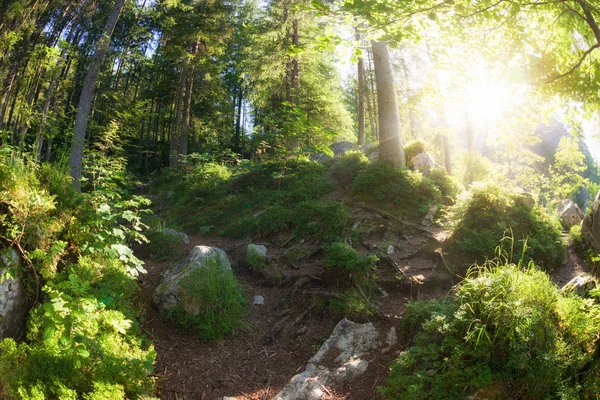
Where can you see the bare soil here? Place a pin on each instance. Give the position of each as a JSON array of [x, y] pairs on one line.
[[290, 327]]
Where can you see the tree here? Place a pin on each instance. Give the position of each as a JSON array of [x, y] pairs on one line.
[[391, 148], [87, 95]]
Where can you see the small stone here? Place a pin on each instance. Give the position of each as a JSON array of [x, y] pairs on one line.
[[256, 250], [390, 249], [390, 340], [258, 300]]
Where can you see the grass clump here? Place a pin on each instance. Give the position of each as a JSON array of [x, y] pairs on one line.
[[162, 246], [348, 166], [414, 148], [448, 185], [343, 258], [213, 303], [400, 188], [505, 333], [490, 212]]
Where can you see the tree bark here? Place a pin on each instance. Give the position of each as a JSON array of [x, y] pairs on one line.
[[390, 129], [238, 122], [174, 136], [447, 158], [295, 61], [87, 94], [361, 102]]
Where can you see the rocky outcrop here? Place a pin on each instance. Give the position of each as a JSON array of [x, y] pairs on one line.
[[341, 358], [166, 295], [590, 227], [423, 163], [13, 304], [570, 214]]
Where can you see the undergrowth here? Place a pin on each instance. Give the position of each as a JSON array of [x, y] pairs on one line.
[[489, 213], [213, 303], [506, 333], [80, 275]]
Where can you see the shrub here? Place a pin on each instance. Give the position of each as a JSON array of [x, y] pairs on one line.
[[215, 302], [405, 190], [506, 333], [348, 166], [413, 149], [448, 185], [350, 305], [489, 213]]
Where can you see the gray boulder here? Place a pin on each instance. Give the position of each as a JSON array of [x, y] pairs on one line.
[[423, 163], [341, 148], [581, 285], [184, 237], [341, 358], [570, 214], [256, 251], [13, 304], [166, 295], [527, 200], [590, 227]]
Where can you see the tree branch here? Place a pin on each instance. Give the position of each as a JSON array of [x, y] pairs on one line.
[[577, 65]]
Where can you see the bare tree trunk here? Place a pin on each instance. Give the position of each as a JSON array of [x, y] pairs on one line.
[[373, 98], [174, 137], [390, 129], [87, 94], [238, 122], [187, 103], [361, 101], [447, 158], [295, 61]]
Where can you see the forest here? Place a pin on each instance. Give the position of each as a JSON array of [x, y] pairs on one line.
[[299, 200]]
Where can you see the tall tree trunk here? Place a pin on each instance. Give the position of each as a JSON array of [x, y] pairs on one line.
[[361, 102], [390, 129], [87, 94], [174, 135], [373, 99], [238, 122], [447, 158], [187, 102], [295, 61]]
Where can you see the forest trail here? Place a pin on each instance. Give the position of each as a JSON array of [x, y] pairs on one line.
[[291, 326]]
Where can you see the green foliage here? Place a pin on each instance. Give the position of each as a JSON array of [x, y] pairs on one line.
[[506, 333], [448, 185], [491, 215], [83, 339], [162, 246], [343, 258], [477, 169], [259, 201], [348, 166], [82, 336], [254, 260], [413, 149], [213, 302], [407, 191]]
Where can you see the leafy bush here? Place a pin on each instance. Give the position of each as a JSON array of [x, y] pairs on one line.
[[82, 339], [506, 333], [348, 166], [406, 190], [448, 185], [215, 300], [413, 149], [488, 213]]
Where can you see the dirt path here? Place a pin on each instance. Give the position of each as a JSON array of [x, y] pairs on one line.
[[572, 266]]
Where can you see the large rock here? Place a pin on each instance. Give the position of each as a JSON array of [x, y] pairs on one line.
[[166, 295], [590, 227], [423, 163], [581, 285], [341, 358], [570, 214], [13, 304], [341, 148]]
